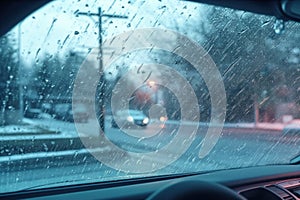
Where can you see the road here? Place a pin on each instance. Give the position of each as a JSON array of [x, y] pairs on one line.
[[237, 147]]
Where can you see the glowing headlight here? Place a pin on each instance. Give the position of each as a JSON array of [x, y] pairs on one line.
[[146, 120], [163, 119], [130, 119]]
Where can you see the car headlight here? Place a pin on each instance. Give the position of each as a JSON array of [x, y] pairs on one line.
[[163, 119], [146, 120], [130, 118]]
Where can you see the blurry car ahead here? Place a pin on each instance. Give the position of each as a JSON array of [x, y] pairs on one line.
[[32, 113], [65, 112], [129, 117]]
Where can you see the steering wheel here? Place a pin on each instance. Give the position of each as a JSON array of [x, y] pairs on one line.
[[195, 190]]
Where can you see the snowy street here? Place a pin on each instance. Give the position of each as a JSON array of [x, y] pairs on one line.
[[65, 158]]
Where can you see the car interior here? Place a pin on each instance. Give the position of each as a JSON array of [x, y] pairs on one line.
[[269, 181]]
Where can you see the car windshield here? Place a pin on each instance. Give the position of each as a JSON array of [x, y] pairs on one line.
[[217, 88]]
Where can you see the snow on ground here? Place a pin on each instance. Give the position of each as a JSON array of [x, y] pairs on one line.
[[23, 129]]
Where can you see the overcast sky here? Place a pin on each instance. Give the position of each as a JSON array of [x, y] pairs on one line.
[[55, 28]]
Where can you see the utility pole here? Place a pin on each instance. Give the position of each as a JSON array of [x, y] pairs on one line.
[[100, 56]]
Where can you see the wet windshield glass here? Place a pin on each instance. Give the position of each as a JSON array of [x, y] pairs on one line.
[[110, 90]]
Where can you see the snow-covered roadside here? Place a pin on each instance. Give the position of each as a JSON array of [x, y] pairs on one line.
[[23, 129]]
